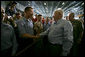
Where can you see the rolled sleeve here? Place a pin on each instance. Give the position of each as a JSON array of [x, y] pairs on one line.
[[21, 28], [68, 38]]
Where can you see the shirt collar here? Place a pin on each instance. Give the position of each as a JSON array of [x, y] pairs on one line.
[[59, 21], [29, 20]]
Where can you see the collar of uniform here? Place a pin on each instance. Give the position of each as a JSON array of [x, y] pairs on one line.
[[4, 24]]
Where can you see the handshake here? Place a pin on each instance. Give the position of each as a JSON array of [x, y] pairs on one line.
[[37, 36], [30, 36]]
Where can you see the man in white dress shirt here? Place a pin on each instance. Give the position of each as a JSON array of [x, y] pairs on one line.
[[60, 35]]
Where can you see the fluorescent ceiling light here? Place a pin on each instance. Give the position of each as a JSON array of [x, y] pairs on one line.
[[44, 3], [63, 3]]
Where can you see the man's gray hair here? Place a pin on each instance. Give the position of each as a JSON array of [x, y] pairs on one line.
[[60, 11]]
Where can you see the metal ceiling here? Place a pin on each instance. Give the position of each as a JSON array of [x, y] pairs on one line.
[[46, 8]]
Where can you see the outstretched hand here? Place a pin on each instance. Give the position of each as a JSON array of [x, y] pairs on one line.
[[37, 36]]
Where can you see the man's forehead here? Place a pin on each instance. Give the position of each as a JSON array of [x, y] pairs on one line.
[[56, 12], [2, 9], [30, 9]]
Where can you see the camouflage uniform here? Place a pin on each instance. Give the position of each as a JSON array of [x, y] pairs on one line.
[[77, 30]]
